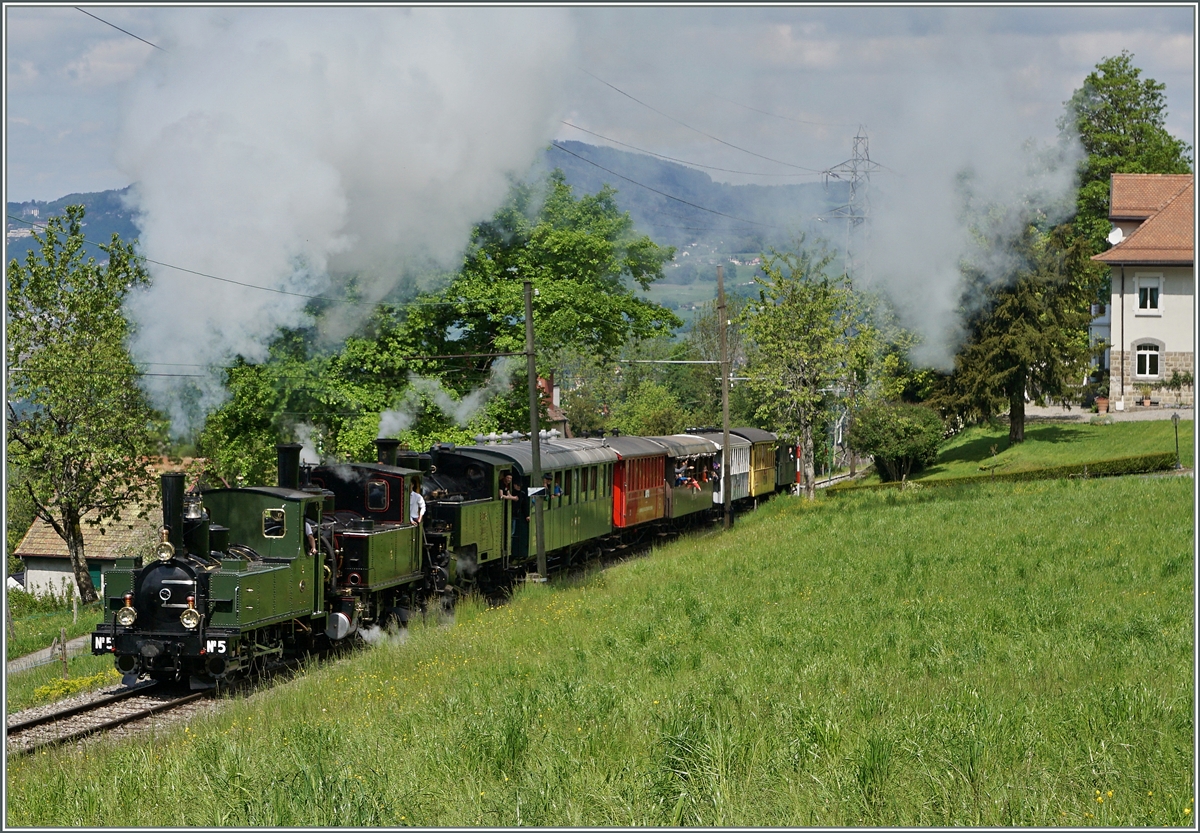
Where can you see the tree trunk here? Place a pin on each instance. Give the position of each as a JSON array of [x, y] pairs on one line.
[[83, 579], [810, 478], [1016, 418]]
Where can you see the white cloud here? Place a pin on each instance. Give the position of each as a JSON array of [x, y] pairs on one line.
[[107, 62]]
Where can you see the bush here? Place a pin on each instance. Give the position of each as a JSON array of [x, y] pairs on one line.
[[901, 438], [22, 603]]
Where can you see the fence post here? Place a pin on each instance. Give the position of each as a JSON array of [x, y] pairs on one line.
[[75, 609], [62, 635], [12, 628]]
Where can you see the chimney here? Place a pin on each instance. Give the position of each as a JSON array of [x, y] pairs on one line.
[[172, 504], [289, 465], [385, 451]]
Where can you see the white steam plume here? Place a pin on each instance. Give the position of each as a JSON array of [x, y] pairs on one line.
[[308, 449], [282, 149], [461, 411], [940, 128]]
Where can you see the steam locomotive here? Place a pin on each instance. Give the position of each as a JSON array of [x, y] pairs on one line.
[[246, 577]]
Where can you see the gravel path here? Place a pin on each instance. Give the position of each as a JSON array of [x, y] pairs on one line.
[[1132, 413]]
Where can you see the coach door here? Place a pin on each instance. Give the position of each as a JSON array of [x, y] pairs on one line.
[[507, 508]]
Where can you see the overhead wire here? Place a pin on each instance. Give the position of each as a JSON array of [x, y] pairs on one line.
[[350, 301], [119, 29], [673, 159], [785, 118], [662, 193], [698, 130]]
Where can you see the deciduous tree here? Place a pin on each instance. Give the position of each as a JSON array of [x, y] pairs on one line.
[[78, 425], [802, 335]]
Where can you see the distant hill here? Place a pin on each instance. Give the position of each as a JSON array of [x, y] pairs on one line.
[[767, 215], [106, 213], [750, 220]]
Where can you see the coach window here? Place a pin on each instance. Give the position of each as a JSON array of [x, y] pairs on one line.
[[1149, 292], [568, 479], [377, 495], [274, 523]]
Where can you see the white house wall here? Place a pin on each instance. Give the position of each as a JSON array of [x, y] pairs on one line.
[[1173, 327], [53, 576]]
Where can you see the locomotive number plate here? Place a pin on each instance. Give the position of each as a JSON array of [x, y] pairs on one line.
[[215, 646], [101, 643]]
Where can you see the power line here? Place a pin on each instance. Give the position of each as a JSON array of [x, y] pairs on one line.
[[673, 159], [698, 130], [119, 29], [785, 118], [145, 259], [662, 193]]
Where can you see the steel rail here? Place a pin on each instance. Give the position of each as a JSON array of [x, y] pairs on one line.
[[109, 724]]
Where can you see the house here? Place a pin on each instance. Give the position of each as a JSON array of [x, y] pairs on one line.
[[48, 563], [551, 394], [1151, 317]]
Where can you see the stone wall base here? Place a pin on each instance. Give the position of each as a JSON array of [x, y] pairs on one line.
[[1171, 362]]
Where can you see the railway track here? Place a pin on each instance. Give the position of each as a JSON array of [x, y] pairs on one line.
[[93, 717]]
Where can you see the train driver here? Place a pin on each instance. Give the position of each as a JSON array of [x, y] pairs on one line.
[[416, 504]]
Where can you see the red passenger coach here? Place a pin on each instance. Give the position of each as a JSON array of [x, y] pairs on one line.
[[639, 481]]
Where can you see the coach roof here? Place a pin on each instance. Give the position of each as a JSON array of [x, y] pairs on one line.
[[686, 445], [555, 454], [734, 440], [754, 435], [629, 447]]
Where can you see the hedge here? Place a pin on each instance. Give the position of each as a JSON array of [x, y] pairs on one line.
[[1141, 464]]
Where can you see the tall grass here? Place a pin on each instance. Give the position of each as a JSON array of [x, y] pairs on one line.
[[986, 655], [36, 630]]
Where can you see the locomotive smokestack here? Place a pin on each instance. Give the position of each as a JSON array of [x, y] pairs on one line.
[[172, 504], [385, 451], [289, 465]]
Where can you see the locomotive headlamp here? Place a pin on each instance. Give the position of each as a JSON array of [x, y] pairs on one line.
[[190, 618], [165, 550], [126, 616]]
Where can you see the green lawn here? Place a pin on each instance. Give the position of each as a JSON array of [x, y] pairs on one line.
[[982, 450], [984, 655], [37, 630]]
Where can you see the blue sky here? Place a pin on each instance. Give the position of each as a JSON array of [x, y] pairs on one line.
[[287, 146], [68, 76]]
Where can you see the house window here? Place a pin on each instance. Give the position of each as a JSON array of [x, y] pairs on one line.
[[1147, 360], [1149, 291]]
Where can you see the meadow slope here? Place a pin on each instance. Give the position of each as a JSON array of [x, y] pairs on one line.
[[1008, 654]]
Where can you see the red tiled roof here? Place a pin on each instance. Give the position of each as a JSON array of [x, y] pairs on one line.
[[1168, 236], [1138, 196], [117, 540]]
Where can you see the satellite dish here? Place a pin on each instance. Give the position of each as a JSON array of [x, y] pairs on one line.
[[1116, 235]]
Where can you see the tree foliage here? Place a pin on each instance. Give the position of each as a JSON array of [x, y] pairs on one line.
[[802, 334], [582, 256], [79, 427], [1120, 119], [650, 410], [902, 438], [1027, 331]]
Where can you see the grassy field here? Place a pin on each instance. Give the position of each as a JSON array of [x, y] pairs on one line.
[[37, 630], [45, 683], [1009, 654], [981, 450]]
